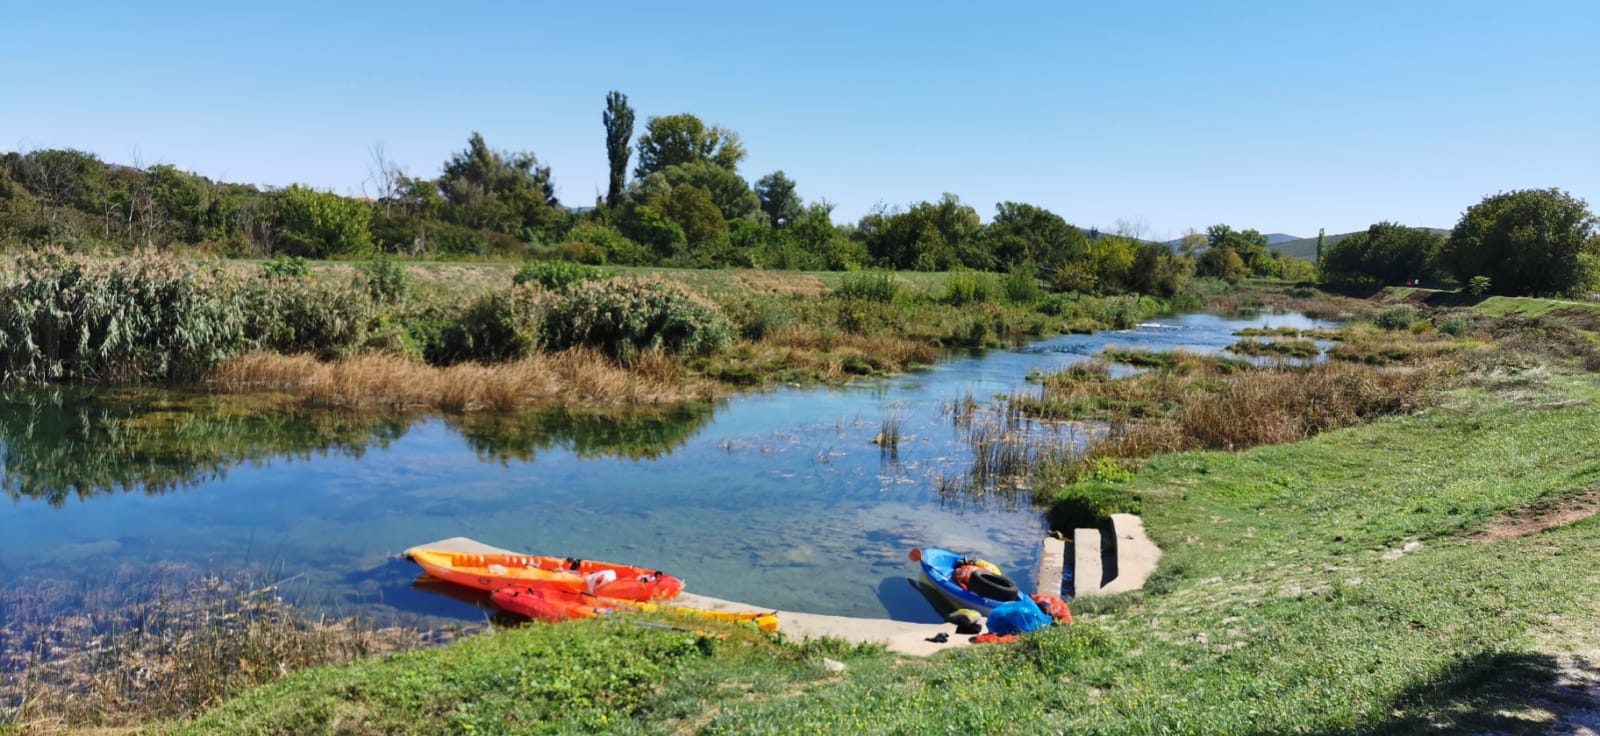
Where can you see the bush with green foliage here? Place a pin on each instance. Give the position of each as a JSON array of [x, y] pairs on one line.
[[1399, 318], [615, 246], [1455, 326], [64, 318], [387, 281], [1527, 242], [286, 267], [1386, 253], [324, 319], [492, 328], [1021, 285], [759, 317], [1086, 502], [875, 286], [967, 287], [625, 317], [317, 224], [556, 275]]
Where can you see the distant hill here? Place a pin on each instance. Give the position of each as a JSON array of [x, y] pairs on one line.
[[1305, 249], [1273, 239]]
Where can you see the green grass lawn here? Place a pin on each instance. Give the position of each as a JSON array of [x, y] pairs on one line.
[[1329, 586]]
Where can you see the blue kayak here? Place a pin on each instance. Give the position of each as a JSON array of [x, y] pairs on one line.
[[938, 571]]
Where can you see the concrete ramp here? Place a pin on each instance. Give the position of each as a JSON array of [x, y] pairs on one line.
[[904, 637], [1116, 560]]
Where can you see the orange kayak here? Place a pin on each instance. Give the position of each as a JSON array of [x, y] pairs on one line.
[[494, 571], [555, 606]]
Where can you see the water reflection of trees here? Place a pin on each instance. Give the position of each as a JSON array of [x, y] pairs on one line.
[[633, 434], [64, 444]]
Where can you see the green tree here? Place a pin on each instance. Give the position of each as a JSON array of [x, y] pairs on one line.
[[778, 199], [674, 140], [692, 208], [1192, 243], [930, 236], [315, 224], [1221, 263], [1386, 253], [1023, 233], [501, 191], [646, 225], [729, 191], [1530, 241], [1251, 246], [618, 119]]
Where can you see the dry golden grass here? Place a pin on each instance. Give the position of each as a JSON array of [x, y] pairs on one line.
[[389, 382], [781, 283], [1164, 411], [837, 353]]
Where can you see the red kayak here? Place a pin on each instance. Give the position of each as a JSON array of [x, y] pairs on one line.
[[494, 571]]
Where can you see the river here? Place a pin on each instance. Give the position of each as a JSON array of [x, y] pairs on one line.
[[778, 498]]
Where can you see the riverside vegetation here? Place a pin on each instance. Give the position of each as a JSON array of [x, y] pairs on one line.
[[1358, 546], [380, 335], [1405, 564]]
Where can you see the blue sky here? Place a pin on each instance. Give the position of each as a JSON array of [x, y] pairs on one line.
[[1284, 116]]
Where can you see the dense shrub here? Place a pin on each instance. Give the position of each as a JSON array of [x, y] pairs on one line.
[[1455, 326], [1399, 318], [968, 287], [144, 318], [492, 328], [286, 267], [1122, 313], [624, 317], [386, 281], [1084, 503], [877, 286], [325, 320], [759, 317], [1021, 286], [555, 275]]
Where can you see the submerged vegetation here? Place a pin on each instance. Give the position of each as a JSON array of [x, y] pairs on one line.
[[129, 654]]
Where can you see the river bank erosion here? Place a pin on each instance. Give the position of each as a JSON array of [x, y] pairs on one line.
[[1372, 510]]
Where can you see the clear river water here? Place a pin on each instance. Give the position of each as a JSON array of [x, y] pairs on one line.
[[778, 498]]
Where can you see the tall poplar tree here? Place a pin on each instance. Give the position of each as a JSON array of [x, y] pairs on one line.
[[618, 118]]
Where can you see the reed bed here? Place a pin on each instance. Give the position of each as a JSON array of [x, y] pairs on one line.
[[127, 655], [797, 353], [1278, 348], [388, 382], [1187, 405], [1296, 332]]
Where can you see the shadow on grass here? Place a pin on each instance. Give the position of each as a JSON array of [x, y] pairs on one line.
[[1500, 693]]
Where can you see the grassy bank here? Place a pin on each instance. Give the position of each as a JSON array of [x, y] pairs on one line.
[[1426, 571], [455, 337]]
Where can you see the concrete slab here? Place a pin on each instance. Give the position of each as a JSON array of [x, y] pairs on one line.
[[1052, 561], [1136, 554], [1088, 571], [900, 636]]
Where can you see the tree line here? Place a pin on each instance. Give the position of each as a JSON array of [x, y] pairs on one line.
[[675, 197], [1526, 242]]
